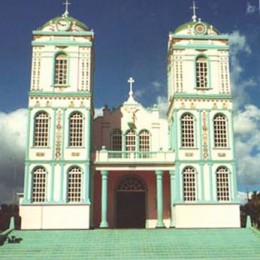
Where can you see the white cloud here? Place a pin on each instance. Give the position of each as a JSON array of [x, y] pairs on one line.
[[250, 9], [247, 125], [162, 104], [157, 85], [98, 112], [247, 120], [247, 115], [238, 43], [242, 197], [139, 93], [238, 49], [12, 150]]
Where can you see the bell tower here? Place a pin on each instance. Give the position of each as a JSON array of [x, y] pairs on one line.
[[200, 117], [57, 168]]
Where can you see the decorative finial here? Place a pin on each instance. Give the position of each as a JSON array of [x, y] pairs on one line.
[[66, 13], [194, 16], [131, 97]]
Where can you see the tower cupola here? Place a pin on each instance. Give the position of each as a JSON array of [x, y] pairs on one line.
[[196, 26], [64, 23]]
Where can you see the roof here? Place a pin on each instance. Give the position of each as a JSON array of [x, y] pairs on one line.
[[134, 244], [191, 24], [72, 20]]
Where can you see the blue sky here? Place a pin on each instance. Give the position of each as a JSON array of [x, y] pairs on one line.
[[130, 40]]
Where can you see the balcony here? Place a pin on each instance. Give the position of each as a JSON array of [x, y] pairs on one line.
[[145, 157]]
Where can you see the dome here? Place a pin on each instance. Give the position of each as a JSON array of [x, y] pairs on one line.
[[64, 23], [196, 28]]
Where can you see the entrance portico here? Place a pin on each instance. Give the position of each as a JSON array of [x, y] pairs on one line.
[[148, 206]]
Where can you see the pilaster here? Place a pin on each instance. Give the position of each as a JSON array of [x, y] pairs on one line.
[[86, 184], [172, 179], [26, 184]]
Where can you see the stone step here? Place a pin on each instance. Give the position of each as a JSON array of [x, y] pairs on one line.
[[134, 244]]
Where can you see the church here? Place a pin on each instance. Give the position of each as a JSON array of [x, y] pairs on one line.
[[130, 167]]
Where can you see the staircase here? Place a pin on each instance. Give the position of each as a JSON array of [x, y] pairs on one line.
[[133, 244]]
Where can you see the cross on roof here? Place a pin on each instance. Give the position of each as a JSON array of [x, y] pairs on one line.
[[131, 98], [131, 81], [194, 7], [67, 3]]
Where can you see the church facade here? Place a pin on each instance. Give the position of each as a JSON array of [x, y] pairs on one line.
[[130, 167]]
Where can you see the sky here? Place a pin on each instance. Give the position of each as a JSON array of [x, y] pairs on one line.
[[130, 40]]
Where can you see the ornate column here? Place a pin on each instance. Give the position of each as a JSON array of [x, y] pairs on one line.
[[159, 186], [104, 223], [172, 176]]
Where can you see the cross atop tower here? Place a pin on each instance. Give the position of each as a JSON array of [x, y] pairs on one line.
[[66, 13], [194, 16]]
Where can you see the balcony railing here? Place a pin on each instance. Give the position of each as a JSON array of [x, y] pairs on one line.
[[133, 156]]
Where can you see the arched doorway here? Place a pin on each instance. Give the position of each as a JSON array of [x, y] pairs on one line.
[[130, 202]]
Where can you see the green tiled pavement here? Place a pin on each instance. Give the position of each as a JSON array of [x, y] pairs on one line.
[[134, 244]]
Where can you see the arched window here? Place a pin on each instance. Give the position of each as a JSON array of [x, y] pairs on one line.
[[201, 72], [131, 183], [76, 129], [39, 185], [220, 130], [189, 184], [116, 140], [61, 69], [187, 130], [74, 184], [222, 184], [130, 140], [144, 143], [41, 129], [144, 140]]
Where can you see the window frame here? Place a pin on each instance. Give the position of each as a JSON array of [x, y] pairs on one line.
[[130, 141], [61, 64], [144, 140], [189, 184], [116, 139], [187, 130], [223, 192], [74, 184], [144, 144], [39, 185], [76, 129], [220, 131], [202, 72], [41, 127]]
